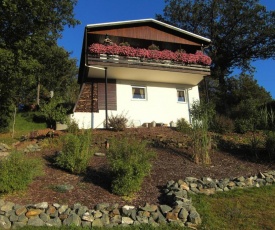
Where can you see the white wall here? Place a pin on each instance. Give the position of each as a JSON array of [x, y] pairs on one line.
[[160, 106]]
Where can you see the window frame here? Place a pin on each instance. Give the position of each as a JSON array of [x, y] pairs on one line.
[[184, 95], [139, 87]]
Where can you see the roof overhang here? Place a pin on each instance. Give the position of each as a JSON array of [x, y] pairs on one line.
[[191, 78]]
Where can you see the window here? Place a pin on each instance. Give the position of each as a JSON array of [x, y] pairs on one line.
[[181, 95], [138, 93]]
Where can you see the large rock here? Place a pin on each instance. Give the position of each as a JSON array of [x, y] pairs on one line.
[[42, 205], [165, 208], [4, 223], [127, 220], [73, 219], [33, 212], [36, 221], [149, 208], [194, 217], [55, 222], [183, 214], [97, 223], [20, 210], [8, 206]]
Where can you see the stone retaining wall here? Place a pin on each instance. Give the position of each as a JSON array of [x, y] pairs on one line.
[[44, 214], [179, 208]]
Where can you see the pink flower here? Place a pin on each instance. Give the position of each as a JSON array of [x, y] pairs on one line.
[[188, 58], [143, 53], [97, 48]]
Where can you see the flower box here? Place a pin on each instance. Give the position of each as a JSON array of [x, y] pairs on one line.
[[143, 54]]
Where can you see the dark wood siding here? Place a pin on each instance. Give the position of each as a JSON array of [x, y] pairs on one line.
[[84, 102], [148, 33], [92, 96]]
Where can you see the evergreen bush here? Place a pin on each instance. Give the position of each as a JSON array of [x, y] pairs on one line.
[[17, 171], [243, 125], [76, 152], [183, 126], [129, 162], [222, 124]]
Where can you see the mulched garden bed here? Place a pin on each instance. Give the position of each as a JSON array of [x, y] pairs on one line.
[[171, 163]]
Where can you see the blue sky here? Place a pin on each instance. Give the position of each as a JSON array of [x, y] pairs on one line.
[[98, 11]]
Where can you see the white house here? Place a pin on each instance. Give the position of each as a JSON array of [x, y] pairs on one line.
[[145, 69]]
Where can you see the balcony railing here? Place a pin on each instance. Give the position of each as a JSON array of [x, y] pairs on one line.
[[142, 62]]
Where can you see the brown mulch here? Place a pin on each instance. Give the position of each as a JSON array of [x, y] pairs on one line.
[[170, 164]]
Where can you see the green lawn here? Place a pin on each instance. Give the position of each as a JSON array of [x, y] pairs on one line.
[[23, 126], [252, 208]]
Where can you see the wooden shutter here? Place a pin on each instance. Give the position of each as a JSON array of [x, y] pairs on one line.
[[111, 94]]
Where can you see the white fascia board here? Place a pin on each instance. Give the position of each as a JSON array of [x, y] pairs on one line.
[[148, 20]]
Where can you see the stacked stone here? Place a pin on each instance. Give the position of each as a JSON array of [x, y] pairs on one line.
[[178, 190], [43, 214], [32, 148], [4, 150], [179, 208]]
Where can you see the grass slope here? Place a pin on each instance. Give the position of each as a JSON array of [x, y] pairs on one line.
[[238, 209]]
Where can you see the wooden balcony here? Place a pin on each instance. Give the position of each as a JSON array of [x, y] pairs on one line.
[[105, 60]]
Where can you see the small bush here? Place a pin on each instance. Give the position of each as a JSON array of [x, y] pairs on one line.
[[17, 171], [222, 124], [76, 153], [117, 122], [243, 125], [183, 126], [129, 162], [73, 127], [270, 144]]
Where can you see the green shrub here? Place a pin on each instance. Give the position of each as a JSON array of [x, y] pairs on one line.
[[266, 119], [183, 126], [73, 127], [76, 153], [270, 144], [243, 125], [202, 114], [117, 122], [129, 162], [222, 124], [17, 171]]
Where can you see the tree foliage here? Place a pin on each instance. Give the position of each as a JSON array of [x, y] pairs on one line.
[[29, 54], [240, 31], [23, 19], [245, 96]]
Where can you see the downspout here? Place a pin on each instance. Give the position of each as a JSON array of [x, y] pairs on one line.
[[188, 103], [106, 100]]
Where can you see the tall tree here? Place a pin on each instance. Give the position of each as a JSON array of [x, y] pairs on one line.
[[241, 31], [28, 34], [21, 19], [245, 96]]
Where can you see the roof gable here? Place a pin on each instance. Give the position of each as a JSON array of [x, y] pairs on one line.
[[148, 29]]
